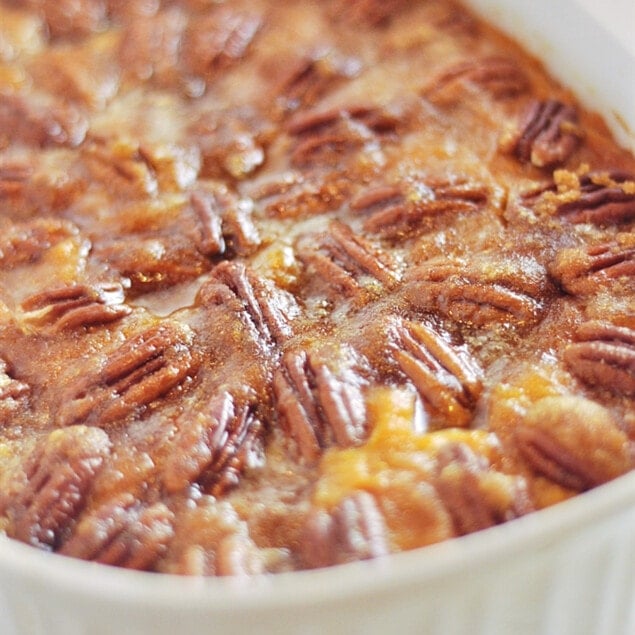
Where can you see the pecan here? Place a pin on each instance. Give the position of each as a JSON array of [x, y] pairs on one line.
[[393, 212], [122, 533], [583, 270], [12, 392], [573, 441], [73, 18], [223, 223], [354, 530], [217, 41], [310, 78], [482, 293], [374, 13], [499, 77], [238, 555], [24, 243], [53, 123], [152, 263], [231, 143], [149, 48], [346, 262], [268, 310], [125, 168], [328, 137], [547, 134], [447, 378], [141, 370], [319, 405], [13, 177], [295, 197], [216, 444], [603, 355], [476, 496], [77, 305], [605, 198], [59, 476]]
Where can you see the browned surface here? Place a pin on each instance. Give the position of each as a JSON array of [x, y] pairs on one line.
[[287, 285]]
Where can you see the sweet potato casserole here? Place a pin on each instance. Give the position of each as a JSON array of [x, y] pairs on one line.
[[287, 285]]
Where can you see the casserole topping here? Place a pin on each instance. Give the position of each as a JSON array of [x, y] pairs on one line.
[[289, 285]]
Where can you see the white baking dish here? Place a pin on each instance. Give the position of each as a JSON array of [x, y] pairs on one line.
[[569, 570]]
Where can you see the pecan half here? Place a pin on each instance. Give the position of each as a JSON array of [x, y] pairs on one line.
[[266, 308], [374, 13], [215, 445], [124, 167], [393, 212], [24, 243], [346, 262], [296, 197], [150, 263], [77, 306], [447, 378], [354, 530], [329, 137], [149, 47], [319, 405], [73, 18], [584, 270], [605, 198], [12, 392], [482, 293], [547, 135], [309, 78], [573, 441], [141, 370], [59, 476], [50, 123], [476, 496], [223, 224], [122, 533], [498, 77], [217, 41], [603, 355], [14, 175]]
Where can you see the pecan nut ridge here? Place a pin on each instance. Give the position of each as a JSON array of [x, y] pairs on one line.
[[59, 477], [144, 368], [347, 262], [317, 405], [123, 533], [354, 530], [603, 355], [266, 308], [393, 212], [499, 77], [476, 496], [606, 198], [573, 441], [447, 379], [77, 305], [547, 134], [581, 271], [223, 224], [374, 13], [327, 137], [312, 77], [215, 445], [481, 294], [14, 175]]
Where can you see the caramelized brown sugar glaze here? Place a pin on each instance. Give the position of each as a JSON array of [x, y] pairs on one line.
[[286, 285]]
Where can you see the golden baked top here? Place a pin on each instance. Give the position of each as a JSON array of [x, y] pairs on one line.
[[286, 285]]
